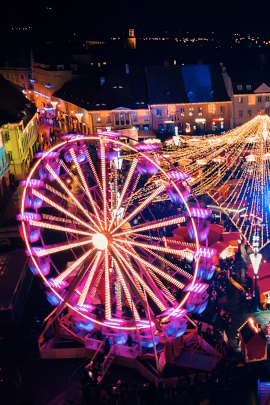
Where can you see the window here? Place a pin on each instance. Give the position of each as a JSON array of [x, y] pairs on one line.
[[146, 117], [182, 111], [190, 111], [10, 157], [199, 111], [248, 87], [222, 110], [98, 119], [160, 128], [146, 127], [214, 126], [240, 113], [159, 113], [249, 113], [188, 127], [240, 99], [109, 120], [239, 87], [134, 117], [259, 99], [169, 128], [22, 77], [6, 135], [267, 99]]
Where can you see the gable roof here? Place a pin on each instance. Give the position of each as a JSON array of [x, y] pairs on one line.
[[122, 88], [248, 81], [14, 106], [165, 84], [198, 83], [247, 333], [118, 89]]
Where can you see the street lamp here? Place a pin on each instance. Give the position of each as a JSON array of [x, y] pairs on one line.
[[255, 259]]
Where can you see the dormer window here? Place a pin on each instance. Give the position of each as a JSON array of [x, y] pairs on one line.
[[248, 86], [190, 93], [239, 87], [212, 93]]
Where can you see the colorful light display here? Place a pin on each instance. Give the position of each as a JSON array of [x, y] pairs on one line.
[[109, 265]]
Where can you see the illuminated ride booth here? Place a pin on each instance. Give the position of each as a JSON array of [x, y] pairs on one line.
[[94, 215]]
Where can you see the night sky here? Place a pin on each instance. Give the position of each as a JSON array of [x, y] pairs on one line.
[[96, 18]]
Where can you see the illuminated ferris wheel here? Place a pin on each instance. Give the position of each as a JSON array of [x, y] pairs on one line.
[[95, 216]]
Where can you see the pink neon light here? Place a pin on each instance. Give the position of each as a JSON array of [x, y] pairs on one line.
[[200, 212], [197, 287], [177, 175], [28, 216], [33, 183]]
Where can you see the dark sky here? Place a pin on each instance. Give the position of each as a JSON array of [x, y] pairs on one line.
[[146, 17]]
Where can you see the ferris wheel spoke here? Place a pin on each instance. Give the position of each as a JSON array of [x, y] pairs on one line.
[[96, 281], [126, 291], [61, 209], [173, 266], [153, 225], [104, 188], [44, 251], [71, 195], [93, 170], [56, 192], [129, 199], [88, 282], [85, 186], [154, 268], [140, 207], [108, 313], [154, 247], [69, 172], [167, 294], [157, 301], [124, 189], [71, 268], [59, 228], [147, 274], [130, 274]]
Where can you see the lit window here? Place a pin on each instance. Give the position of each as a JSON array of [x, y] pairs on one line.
[[182, 111], [240, 99], [98, 118], [159, 113], [191, 111], [199, 111]]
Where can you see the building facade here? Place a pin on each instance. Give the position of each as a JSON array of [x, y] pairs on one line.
[[21, 145]]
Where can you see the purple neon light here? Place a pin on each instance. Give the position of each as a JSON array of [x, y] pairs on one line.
[[200, 212], [62, 284], [197, 287], [177, 175], [33, 183], [145, 147], [114, 322], [28, 216]]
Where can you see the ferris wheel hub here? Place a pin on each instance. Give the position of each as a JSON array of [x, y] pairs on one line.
[[100, 241]]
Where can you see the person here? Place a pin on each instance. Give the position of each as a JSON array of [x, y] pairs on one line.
[[107, 346], [199, 328], [268, 301], [129, 341]]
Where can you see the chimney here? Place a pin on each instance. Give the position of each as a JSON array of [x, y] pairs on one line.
[[127, 68], [102, 81]]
